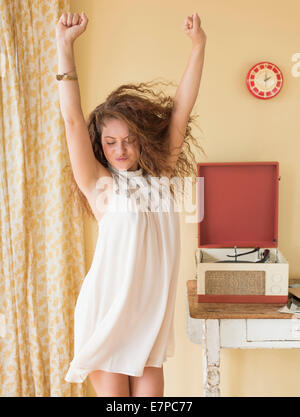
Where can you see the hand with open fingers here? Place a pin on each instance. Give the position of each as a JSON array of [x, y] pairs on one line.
[[192, 27], [70, 26]]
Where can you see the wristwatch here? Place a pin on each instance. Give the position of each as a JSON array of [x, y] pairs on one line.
[[66, 76]]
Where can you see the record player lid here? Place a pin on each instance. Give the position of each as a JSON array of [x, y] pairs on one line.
[[239, 203]]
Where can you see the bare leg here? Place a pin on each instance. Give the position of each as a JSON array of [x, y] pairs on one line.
[[110, 384], [150, 384]]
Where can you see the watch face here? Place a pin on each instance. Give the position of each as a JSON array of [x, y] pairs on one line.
[[264, 80]]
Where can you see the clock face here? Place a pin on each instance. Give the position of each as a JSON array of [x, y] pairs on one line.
[[264, 80]]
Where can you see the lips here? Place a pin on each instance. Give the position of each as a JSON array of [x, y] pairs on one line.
[[121, 159]]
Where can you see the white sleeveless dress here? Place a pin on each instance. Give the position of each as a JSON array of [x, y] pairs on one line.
[[124, 314]]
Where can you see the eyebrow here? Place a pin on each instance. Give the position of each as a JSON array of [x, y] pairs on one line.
[[115, 138]]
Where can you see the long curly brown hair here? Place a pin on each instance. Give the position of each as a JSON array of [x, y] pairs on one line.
[[147, 114]]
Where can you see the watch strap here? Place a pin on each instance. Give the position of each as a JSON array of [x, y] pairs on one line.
[[66, 76]]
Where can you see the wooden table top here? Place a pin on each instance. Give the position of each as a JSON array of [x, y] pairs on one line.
[[231, 310]]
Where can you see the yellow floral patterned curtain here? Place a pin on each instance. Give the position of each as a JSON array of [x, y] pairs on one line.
[[42, 238]]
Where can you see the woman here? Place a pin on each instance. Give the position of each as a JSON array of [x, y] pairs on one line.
[[125, 309]]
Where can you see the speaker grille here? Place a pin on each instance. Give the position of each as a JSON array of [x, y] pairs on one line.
[[235, 282]]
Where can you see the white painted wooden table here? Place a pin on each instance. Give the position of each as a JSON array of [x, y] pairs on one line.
[[246, 326]]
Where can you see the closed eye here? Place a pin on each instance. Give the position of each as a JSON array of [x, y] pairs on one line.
[[128, 142]]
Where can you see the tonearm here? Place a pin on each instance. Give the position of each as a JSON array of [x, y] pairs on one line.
[[266, 256]]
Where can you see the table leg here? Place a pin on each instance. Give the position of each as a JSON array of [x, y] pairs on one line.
[[211, 357]]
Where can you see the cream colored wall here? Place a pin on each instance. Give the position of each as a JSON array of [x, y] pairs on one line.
[[137, 40]]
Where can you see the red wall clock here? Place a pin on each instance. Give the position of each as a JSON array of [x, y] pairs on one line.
[[264, 80]]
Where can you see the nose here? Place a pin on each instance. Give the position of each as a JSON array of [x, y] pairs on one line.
[[121, 148]]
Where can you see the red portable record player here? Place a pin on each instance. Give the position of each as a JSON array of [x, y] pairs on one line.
[[237, 258]]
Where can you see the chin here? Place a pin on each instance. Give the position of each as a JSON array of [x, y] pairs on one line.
[[123, 164], [126, 164]]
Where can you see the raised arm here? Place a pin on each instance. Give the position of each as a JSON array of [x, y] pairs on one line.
[[85, 167], [69, 94], [188, 88]]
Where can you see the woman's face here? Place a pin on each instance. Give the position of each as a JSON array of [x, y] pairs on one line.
[[118, 142]]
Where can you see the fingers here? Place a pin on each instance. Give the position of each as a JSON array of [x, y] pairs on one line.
[[71, 19], [63, 19], [187, 25], [191, 21], [188, 22], [196, 18], [75, 19], [84, 19]]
